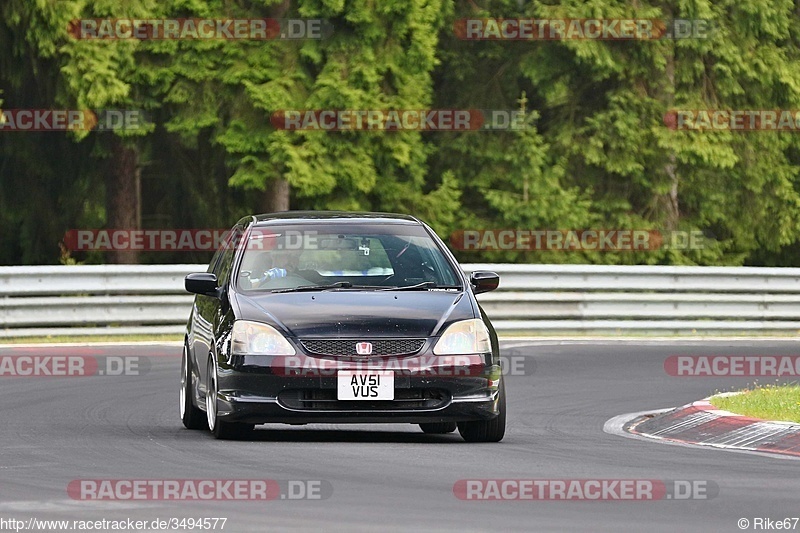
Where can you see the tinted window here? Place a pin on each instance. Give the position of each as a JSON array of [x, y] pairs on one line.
[[226, 256]]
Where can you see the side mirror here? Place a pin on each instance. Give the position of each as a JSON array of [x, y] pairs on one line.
[[202, 283], [483, 281]]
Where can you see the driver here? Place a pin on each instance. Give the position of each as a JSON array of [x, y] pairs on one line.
[[284, 263]]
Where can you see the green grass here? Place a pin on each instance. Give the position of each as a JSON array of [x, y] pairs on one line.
[[768, 402], [90, 338]]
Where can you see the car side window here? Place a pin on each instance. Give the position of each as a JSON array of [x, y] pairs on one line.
[[215, 260], [227, 253], [435, 262]]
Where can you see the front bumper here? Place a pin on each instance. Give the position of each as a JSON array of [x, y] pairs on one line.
[[302, 389]]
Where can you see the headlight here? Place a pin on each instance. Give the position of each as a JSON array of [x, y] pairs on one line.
[[465, 337], [259, 339]]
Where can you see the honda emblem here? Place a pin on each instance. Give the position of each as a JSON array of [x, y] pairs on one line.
[[364, 348]]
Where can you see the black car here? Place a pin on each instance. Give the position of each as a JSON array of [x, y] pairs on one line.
[[340, 317]]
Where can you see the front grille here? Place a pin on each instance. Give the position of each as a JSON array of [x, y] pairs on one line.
[[348, 347], [325, 400]]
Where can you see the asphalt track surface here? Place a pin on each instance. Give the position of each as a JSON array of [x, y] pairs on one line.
[[391, 477]]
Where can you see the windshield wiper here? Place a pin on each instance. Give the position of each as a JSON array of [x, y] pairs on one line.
[[303, 288], [425, 285], [337, 285]]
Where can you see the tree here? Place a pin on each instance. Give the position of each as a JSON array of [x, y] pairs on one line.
[[603, 103]]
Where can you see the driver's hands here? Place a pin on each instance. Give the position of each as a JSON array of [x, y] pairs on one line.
[[272, 273]]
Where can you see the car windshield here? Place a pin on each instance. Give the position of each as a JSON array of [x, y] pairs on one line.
[[344, 256]]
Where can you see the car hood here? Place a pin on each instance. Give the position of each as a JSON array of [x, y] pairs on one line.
[[357, 314]]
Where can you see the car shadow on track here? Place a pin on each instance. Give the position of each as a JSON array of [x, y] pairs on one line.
[[267, 434]]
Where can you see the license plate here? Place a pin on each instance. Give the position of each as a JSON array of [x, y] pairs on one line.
[[365, 385]]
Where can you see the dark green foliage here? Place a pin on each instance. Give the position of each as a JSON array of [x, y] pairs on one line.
[[596, 154]]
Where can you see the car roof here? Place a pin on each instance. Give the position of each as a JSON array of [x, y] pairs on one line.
[[346, 217]]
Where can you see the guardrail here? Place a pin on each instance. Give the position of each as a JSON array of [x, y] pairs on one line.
[[531, 299], [94, 300]]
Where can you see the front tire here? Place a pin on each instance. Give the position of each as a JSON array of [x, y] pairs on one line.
[[487, 430], [221, 430], [191, 416]]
